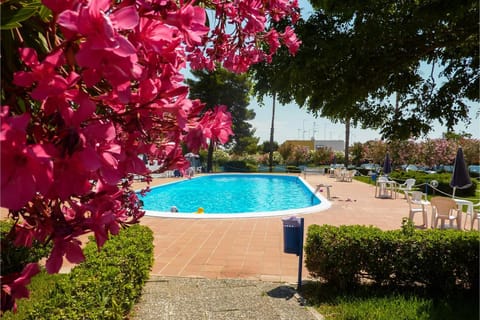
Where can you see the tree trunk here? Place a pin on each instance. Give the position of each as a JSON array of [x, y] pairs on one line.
[[210, 156], [347, 140], [270, 155]]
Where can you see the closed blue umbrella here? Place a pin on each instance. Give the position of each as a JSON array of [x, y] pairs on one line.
[[387, 164], [460, 177]]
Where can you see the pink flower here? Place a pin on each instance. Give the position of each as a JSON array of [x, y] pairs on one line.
[[251, 10], [190, 21], [103, 151], [156, 36], [25, 169], [101, 223], [290, 39], [88, 152], [70, 247], [215, 125], [222, 124], [59, 6], [104, 52], [71, 169], [43, 75], [195, 138], [272, 40], [17, 289], [282, 8]]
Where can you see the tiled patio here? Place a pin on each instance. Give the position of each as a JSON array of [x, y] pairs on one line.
[[252, 248]]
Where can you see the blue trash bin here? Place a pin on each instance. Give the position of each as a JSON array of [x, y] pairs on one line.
[[292, 235], [374, 177]]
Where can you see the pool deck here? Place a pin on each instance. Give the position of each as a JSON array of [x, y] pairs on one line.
[[252, 248]]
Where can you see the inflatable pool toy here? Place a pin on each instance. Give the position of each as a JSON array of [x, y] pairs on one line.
[[200, 210]]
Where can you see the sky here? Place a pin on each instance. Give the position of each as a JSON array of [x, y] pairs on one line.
[[294, 123]]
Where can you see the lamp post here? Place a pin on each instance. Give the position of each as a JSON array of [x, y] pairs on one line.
[[270, 155], [303, 135]]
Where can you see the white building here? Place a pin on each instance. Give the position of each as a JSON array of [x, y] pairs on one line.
[[335, 145]]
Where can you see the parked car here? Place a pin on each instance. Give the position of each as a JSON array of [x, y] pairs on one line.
[[444, 168], [413, 167], [371, 167], [410, 167], [426, 169], [474, 170]]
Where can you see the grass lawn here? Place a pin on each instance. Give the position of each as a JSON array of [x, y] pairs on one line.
[[374, 303]]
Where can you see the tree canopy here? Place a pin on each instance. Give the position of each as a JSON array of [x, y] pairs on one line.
[[388, 65], [221, 87]]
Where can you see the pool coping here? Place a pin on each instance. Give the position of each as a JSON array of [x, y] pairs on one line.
[[322, 206]]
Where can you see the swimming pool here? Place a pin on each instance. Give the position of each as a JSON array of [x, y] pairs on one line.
[[233, 195]]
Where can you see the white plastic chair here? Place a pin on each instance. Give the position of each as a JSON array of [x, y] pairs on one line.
[[340, 174], [406, 186], [443, 209], [417, 201], [350, 174]]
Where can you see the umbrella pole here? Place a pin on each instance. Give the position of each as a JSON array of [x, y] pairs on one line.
[[453, 195]]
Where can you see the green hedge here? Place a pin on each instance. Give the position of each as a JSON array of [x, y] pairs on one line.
[[106, 285], [441, 260], [443, 182], [238, 166], [293, 169]]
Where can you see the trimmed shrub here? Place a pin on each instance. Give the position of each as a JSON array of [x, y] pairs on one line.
[[237, 166], [106, 285], [293, 169], [441, 260], [443, 182]]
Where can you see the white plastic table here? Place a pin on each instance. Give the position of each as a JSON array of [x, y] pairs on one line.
[[385, 188], [469, 204]]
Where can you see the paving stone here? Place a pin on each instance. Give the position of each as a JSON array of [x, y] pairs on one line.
[[166, 298]]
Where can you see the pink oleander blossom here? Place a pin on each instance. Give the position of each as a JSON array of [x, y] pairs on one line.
[[272, 40], [68, 247], [101, 223], [221, 127], [105, 52], [190, 21], [43, 75], [17, 289], [251, 11], [25, 169], [280, 8], [215, 125], [59, 6], [155, 36], [290, 39]]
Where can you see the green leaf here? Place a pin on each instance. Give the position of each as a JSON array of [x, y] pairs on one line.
[[12, 18], [45, 13]]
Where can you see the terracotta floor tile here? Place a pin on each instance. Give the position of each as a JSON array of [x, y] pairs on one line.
[[212, 268], [171, 270]]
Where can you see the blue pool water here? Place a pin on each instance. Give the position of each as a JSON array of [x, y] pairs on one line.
[[231, 195]]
